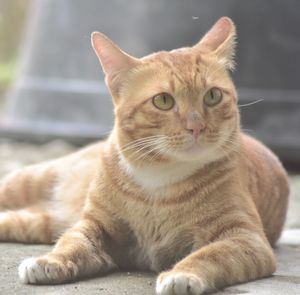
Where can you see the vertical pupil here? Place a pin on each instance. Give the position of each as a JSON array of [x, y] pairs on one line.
[[213, 94], [165, 99]]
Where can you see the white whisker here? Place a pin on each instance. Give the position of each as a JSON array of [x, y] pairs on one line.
[[162, 150], [158, 148], [247, 130], [144, 146], [251, 103], [140, 142]]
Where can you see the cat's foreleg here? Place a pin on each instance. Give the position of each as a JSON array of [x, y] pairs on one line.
[[235, 259], [78, 253]]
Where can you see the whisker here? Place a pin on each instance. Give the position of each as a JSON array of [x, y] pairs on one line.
[[145, 146], [231, 145], [163, 150], [227, 149], [144, 139], [141, 141], [247, 130], [137, 145], [140, 149], [143, 156], [251, 103], [159, 152], [225, 152]]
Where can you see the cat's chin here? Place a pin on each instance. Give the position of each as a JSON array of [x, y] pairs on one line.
[[194, 152], [193, 148]]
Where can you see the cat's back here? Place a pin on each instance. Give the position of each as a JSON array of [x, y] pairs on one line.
[[263, 165], [267, 181]]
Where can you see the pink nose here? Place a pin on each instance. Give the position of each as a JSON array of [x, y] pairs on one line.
[[194, 124]]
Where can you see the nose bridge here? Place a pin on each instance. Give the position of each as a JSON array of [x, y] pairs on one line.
[[194, 123], [193, 119]]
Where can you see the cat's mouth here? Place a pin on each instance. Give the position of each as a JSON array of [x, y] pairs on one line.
[[189, 145], [193, 146]]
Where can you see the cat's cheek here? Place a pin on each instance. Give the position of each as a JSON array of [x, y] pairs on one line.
[[179, 283]]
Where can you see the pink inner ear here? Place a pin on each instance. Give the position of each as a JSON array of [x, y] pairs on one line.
[[112, 58], [218, 34]]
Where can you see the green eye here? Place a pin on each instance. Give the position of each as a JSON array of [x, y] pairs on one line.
[[163, 101], [213, 96]]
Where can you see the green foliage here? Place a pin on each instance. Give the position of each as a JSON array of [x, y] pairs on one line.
[[12, 24], [7, 73]]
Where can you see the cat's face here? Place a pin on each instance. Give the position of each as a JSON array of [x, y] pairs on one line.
[[179, 105]]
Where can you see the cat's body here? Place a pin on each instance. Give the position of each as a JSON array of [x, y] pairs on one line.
[[149, 197]]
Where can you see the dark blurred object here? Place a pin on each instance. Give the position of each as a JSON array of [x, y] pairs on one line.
[[60, 91]]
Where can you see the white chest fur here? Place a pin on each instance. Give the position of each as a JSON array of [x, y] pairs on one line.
[[158, 177]]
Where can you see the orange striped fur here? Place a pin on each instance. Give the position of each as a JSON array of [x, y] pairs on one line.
[[182, 192]]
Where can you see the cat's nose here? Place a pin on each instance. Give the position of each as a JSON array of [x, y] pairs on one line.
[[194, 124], [195, 131]]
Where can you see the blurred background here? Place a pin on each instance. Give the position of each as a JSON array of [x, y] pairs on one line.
[[53, 99], [51, 84], [12, 22]]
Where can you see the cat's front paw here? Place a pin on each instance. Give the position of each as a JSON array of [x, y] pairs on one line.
[[46, 271], [179, 283]]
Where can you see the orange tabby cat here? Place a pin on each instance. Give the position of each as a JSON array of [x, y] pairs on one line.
[[177, 187]]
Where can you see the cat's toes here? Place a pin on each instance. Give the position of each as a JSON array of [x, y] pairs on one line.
[[31, 272], [44, 271], [179, 283]]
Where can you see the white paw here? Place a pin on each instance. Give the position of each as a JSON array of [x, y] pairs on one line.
[[42, 271], [31, 272], [174, 283]]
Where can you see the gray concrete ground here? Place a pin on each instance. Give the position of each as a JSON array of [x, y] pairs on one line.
[[285, 281]]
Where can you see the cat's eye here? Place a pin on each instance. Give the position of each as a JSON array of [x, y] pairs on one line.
[[163, 101], [213, 96]]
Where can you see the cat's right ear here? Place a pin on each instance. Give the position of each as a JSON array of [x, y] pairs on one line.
[[114, 61]]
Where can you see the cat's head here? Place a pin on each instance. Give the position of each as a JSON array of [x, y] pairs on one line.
[[174, 106]]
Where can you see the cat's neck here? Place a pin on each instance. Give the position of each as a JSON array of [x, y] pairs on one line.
[[154, 177]]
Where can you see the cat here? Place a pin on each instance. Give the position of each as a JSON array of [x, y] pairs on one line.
[[177, 188]]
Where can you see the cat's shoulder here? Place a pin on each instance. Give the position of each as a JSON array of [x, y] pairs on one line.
[[257, 153]]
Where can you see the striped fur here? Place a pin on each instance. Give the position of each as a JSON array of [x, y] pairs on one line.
[[202, 211]]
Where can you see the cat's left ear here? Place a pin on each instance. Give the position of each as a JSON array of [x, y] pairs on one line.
[[220, 40], [114, 61]]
